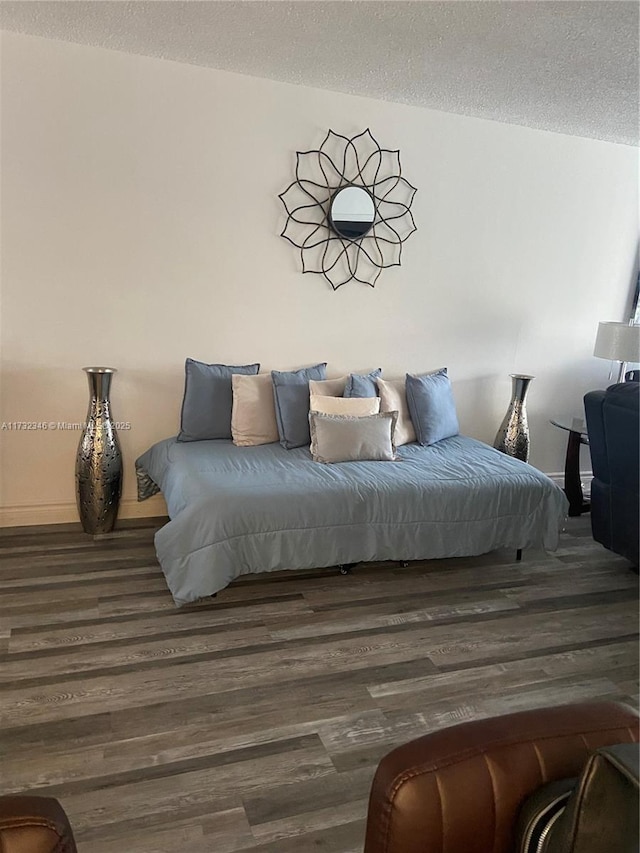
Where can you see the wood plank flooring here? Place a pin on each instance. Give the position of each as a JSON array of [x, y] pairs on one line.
[[254, 721]]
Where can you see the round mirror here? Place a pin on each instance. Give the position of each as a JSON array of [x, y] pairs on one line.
[[352, 212]]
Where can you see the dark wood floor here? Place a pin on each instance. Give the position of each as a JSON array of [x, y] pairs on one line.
[[254, 721]]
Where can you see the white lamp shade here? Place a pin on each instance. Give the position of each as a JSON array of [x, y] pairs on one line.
[[618, 342]]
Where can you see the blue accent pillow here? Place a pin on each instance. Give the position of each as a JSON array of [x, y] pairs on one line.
[[207, 401], [431, 406], [291, 395], [362, 386]]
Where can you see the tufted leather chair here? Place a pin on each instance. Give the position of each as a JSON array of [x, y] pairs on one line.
[[34, 825], [459, 789]]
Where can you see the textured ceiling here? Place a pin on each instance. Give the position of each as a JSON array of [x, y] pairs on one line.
[[567, 66]]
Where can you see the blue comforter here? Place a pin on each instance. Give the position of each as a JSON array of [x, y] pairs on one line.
[[236, 510]]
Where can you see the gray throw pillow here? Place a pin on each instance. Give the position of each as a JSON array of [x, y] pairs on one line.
[[431, 406], [291, 395], [207, 401], [362, 386], [343, 438]]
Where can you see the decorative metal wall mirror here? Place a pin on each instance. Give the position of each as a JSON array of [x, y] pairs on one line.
[[349, 209]]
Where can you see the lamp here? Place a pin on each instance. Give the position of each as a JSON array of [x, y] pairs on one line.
[[618, 342]]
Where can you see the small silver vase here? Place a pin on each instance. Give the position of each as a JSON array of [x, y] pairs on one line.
[[513, 436], [99, 461]]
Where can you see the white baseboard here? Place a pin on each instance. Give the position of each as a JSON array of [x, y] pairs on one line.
[[558, 477], [24, 515]]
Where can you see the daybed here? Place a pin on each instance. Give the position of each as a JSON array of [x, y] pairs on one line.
[[236, 510]]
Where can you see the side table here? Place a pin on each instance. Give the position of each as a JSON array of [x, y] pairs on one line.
[[577, 430]]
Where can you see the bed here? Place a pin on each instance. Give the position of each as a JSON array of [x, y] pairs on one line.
[[237, 510]]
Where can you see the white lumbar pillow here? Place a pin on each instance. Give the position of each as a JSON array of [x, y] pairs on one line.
[[357, 407], [253, 413], [393, 398]]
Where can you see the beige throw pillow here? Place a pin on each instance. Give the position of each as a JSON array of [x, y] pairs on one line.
[[253, 413], [341, 438], [393, 398], [354, 406], [328, 387]]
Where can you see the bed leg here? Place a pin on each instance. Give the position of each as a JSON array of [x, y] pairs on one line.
[[519, 555], [404, 564], [345, 568]]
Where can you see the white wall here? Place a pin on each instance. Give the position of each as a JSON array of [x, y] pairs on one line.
[[140, 224]]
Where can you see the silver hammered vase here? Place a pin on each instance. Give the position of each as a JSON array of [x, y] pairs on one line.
[[99, 461], [513, 436]]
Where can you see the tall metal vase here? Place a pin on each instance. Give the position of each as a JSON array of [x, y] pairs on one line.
[[99, 461], [513, 436]]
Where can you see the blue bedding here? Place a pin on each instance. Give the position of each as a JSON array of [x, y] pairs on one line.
[[236, 510]]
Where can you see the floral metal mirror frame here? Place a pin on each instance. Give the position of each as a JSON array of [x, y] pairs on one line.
[[348, 209]]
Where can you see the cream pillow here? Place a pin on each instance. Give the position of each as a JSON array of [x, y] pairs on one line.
[[253, 413], [357, 407], [341, 438], [393, 398], [328, 387]]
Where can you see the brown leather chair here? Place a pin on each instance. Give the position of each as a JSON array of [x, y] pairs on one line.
[[459, 789], [34, 825]]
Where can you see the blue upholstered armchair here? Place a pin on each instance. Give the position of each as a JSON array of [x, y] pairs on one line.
[[613, 424]]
